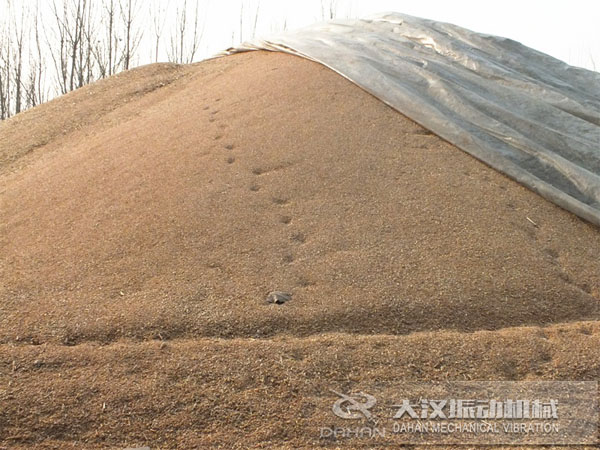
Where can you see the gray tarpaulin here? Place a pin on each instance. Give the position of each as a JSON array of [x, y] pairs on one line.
[[522, 112]]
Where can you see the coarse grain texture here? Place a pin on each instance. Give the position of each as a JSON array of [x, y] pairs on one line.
[[145, 218]]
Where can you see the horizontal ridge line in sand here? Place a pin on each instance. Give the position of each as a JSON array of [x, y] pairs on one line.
[[281, 338]]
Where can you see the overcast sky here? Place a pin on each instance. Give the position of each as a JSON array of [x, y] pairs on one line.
[[566, 29]]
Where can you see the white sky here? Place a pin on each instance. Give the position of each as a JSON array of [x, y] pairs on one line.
[[566, 29]]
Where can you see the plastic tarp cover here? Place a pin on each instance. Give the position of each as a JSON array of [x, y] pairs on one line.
[[520, 111]]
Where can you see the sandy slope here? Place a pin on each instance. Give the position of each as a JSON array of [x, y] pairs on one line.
[[145, 218]]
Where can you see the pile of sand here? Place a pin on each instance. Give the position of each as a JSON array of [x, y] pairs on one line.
[[145, 218]]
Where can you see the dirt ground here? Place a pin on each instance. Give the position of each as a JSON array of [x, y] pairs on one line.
[[145, 218]]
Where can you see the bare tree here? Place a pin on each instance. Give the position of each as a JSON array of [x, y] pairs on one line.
[[86, 63], [182, 50], [74, 41], [329, 9], [34, 89], [159, 18], [175, 50], [37, 66], [65, 53], [106, 48], [18, 62], [255, 19], [197, 37], [133, 35], [5, 66]]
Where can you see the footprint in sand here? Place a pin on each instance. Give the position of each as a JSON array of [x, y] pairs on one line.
[[299, 237], [279, 200]]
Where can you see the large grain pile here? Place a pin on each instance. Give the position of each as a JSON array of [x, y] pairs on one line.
[[145, 218]]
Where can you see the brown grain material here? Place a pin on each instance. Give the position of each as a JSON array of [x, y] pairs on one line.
[[185, 195]]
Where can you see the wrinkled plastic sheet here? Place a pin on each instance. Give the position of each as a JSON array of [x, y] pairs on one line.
[[520, 111]]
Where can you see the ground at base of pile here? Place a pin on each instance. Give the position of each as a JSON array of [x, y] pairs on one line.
[[254, 393]]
